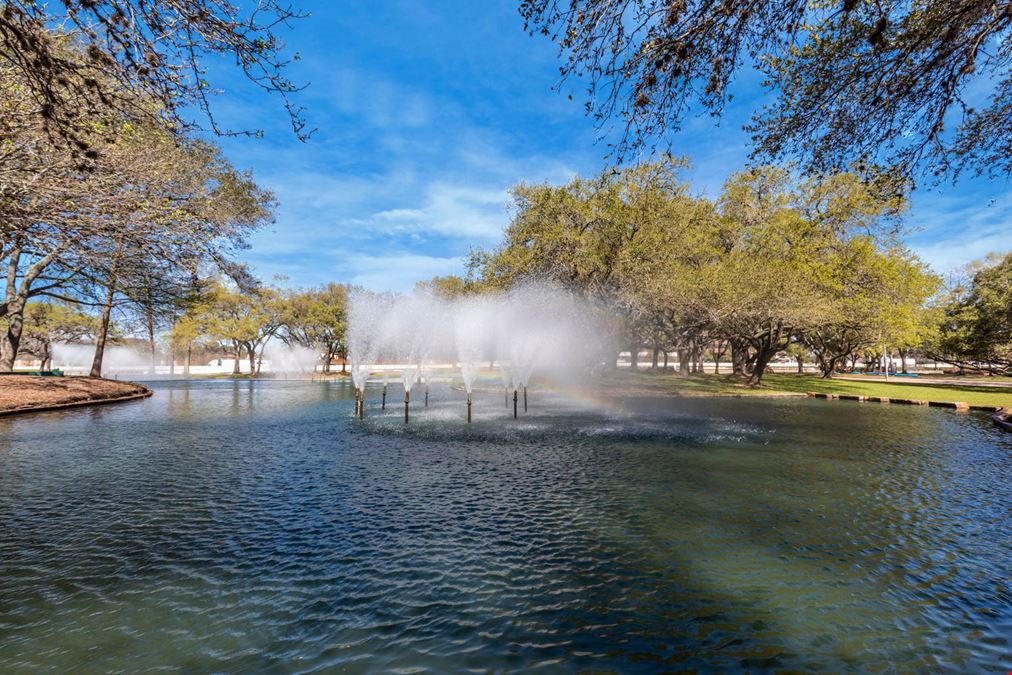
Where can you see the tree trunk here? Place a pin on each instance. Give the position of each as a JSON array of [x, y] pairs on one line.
[[186, 364], [665, 359], [683, 361], [251, 353], [903, 361], [738, 356], [801, 364], [763, 357], [12, 334], [656, 359], [634, 355], [236, 370], [103, 330]]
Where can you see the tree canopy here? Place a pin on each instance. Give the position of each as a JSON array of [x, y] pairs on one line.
[[921, 87], [776, 260], [143, 60]]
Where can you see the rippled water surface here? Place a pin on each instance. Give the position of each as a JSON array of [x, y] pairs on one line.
[[257, 527]]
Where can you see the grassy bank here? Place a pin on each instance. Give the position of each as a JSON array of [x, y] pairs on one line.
[[25, 393], [778, 384]]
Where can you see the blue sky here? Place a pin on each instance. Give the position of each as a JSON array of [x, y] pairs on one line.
[[426, 113]]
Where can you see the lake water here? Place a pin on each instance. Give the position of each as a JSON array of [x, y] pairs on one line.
[[257, 527]]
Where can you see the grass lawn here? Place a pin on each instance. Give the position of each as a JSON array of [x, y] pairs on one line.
[[974, 395], [778, 384]]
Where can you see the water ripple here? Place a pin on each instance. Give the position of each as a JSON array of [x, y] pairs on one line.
[[257, 527]]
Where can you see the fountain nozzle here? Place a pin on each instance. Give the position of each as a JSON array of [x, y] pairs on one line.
[[468, 407]]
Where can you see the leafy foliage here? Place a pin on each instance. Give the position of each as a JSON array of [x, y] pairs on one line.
[[921, 86]]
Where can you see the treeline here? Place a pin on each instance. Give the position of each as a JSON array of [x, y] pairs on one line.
[[243, 321], [974, 328], [126, 219], [111, 207], [775, 263]]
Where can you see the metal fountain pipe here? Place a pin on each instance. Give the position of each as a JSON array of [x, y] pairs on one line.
[[407, 403], [468, 407], [384, 405], [514, 404], [361, 403], [426, 394], [525, 398]]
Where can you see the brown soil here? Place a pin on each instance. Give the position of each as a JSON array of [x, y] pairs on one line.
[[26, 392]]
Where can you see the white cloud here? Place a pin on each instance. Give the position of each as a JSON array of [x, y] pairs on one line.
[[400, 214]]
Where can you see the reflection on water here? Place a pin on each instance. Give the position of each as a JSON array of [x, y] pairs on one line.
[[256, 526]]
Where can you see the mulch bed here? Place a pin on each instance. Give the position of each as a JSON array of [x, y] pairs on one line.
[[25, 392]]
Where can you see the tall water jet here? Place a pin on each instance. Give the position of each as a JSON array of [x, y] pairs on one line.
[[468, 372], [426, 377], [359, 375], [505, 377], [532, 327], [408, 376]]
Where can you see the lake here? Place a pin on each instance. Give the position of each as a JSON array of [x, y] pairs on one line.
[[258, 527]]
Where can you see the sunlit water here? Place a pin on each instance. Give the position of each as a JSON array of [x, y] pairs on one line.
[[257, 527]]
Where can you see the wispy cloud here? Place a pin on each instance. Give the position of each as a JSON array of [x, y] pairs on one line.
[[427, 114]]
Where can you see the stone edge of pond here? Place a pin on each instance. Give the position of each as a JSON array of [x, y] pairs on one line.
[[955, 405], [54, 407]]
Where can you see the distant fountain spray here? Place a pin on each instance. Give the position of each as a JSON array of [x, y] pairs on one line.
[[527, 329]]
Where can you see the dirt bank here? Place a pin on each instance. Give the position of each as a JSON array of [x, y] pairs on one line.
[[26, 393]]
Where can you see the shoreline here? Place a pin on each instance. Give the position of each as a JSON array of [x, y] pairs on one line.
[[25, 394]]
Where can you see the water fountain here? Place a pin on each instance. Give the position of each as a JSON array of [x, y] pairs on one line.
[[504, 375], [529, 329], [468, 372], [426, 378], [409, 375], [359, 375]]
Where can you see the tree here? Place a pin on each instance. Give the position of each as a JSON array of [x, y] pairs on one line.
[[139, 59], [48, 323], [757, 269], [318, 318], [449, 287], [132, 228], [890, 82], [976, 323]]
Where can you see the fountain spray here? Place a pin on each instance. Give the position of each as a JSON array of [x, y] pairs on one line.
[[360, 376], [468, 373], [408, 376]]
